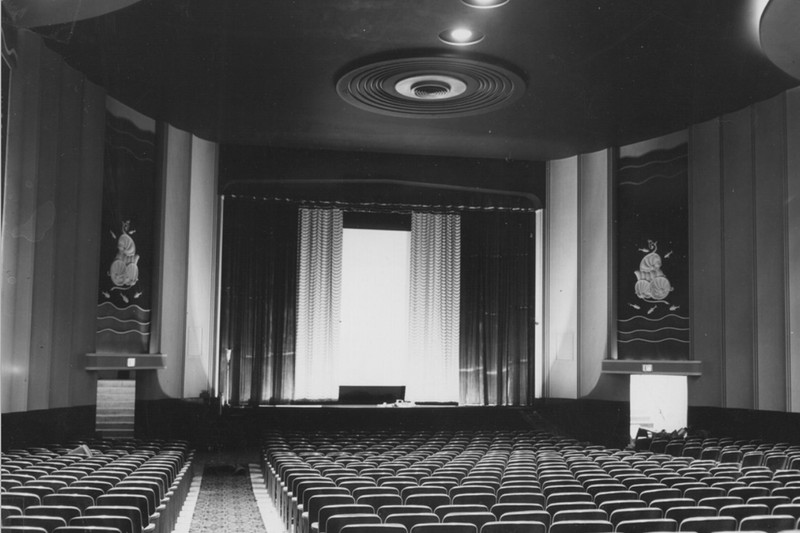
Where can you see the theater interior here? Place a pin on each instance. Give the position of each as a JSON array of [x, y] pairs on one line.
[[597, 202]]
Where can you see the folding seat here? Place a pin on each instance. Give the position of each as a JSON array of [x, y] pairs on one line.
[[789, 492], [46, 523], [9, 510], [377, 501], [646, 525], [444, 510], [422, 489], [743, 510], [768, 523], [21, 499], [335, 523], [519, 526], [679, 514], [612, 505], [568, 497], [698, 493], [630, 480], [522, 497], [499, 509], [430, 500], [478, 518], [785, 477], [792, 509], [129, 500], [461, 527], [746, 493], [563, 506], [129, 511], [635, 513], [373, 528], [775, 461], [481, 498], [769, 501], [340, 509], [615, 495], [409, 520], [727, 484], [579, 514], [313, 505], [668, 503], [471, 489], [62, 511], [81, 501], [119, 523], [582, 526]]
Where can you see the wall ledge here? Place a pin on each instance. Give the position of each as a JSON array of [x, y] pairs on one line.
[[125, 361], [648, 366]]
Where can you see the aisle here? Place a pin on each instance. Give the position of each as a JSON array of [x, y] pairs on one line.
[[229, 496]]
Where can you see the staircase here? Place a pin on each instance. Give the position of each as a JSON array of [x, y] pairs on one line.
[[116, 402]]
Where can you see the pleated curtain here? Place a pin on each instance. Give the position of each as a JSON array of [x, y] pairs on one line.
[[257, 326], [497, 308], [318, 299], [434, 307]]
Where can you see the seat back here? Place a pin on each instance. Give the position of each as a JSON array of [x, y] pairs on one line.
[[767, 523], [335, 523], [581, 526], [647, 525], [452, 527], [48, 523], [519, 526], [708, 524]]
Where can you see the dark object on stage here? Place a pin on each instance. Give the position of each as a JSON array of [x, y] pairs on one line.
[[370, 394]]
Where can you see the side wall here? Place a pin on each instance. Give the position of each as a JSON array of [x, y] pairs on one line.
[[51, 216], [745, 264], [745, 227], [53, 190]]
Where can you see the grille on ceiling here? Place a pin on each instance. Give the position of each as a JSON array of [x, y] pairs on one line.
[[430, 87]]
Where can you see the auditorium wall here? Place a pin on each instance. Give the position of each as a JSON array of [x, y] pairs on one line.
[[745, 253], [51, 215], [744, 180]]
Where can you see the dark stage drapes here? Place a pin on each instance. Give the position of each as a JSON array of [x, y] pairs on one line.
[[497, 308], [259, 292]]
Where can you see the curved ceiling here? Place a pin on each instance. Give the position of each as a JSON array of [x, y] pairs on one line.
[[597, 73]]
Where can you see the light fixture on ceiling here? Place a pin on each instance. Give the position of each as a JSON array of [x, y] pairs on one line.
[[484, 4], [460, 37]]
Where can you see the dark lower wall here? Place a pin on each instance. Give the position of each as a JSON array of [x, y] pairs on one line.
[[207, 426], [47, 426]]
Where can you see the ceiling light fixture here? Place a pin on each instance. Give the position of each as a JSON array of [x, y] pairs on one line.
[[484, 4], [460, 37]]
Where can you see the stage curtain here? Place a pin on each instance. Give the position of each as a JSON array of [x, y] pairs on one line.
[[259, 276], [434, 307], [318, 309], [497, 308]]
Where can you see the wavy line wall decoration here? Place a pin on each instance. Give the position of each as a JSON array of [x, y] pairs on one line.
[[652, 262], [127, 238]]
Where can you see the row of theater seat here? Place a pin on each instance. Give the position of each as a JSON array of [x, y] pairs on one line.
[[124, 486], [513, 481], [775, 456]]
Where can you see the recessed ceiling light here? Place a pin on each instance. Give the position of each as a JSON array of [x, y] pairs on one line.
[[484, 4], [460, 36]]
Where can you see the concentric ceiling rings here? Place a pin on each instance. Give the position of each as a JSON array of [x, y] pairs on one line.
[[430, 87]]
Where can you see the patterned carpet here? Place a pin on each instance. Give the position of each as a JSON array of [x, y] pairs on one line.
[[226, 502]]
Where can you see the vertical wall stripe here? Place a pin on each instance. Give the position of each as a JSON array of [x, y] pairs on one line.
[[739, 258], [594, 251], [770, 265], [562, 286], [793, 240], [707, 267]]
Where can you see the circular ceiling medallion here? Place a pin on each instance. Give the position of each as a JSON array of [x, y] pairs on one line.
[[430, 87]]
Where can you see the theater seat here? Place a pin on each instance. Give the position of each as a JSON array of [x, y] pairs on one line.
[[514, 527]]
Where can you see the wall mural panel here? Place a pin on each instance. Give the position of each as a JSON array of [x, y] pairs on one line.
[[653, 255], [127, 238]]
